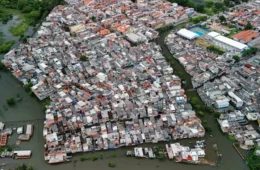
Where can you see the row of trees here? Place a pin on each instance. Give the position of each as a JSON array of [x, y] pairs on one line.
[[215, 49], [34, 9], [201, 109], [198, 19], [209, 6], [250, 51], [4, 16]]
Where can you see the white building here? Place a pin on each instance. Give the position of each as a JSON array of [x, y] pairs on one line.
[[43, 67], [187, 34], [222, 103], [235, 99], [226, 43]]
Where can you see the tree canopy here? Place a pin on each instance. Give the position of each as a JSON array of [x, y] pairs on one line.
[[236, 58], [83, 58], [222, 18], [34, 9], [248, 26]]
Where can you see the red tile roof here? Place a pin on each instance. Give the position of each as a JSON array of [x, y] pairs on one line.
[[246, 36]]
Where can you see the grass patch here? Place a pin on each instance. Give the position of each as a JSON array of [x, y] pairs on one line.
[[5, 47], [233, 31], [20, 29], [232, 138]]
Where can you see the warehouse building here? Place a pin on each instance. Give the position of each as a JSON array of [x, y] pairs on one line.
[[226, 43]]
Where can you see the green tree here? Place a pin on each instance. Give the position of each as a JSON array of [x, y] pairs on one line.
[[30, 167], [83, 58], [200, 113], [94, 157], [248, 26], [208, 109], [21, 167], [217, 115], [197, 106], [34, 15], [194, 100], [200, 8], [198, 19], [94, 18], [215, 49], [10, 101], [236, 58], [227, 2], [27, 87], [82, 159], [4, 48], [111, 164], [113, 154], [250, 51], [219, 6], [209, 3], [222, 18], [21, 4]]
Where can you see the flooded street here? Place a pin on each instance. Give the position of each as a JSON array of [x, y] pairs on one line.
[[29, 110]]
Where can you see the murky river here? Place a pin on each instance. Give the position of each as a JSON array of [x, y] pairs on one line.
[[30, 109]]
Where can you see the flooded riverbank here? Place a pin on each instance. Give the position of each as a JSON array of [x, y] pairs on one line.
[[29, 110]]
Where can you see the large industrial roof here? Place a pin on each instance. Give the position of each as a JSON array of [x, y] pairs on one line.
[[231, 42], [227, 41], [187, 34]]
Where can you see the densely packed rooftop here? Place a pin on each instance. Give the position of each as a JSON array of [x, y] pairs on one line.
[[109, 87]]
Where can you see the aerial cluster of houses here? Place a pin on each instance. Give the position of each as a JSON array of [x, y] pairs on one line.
[[236, 96], [108, 86], [6, 133], [201, 64], [186, 154], [174, 151], [230, 88], [243, 14]]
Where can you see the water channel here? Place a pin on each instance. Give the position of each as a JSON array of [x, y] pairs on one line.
[[30, 110]]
